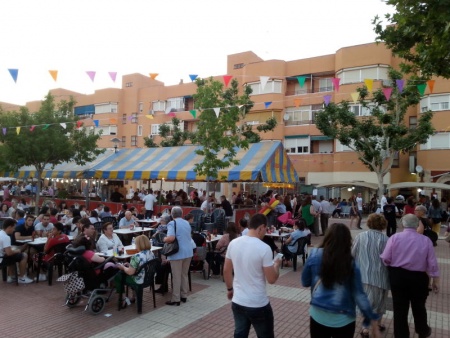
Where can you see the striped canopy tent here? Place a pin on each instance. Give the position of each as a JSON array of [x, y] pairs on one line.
[[261, 162], [63, 170]]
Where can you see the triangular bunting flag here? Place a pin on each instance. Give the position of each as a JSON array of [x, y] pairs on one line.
[[193, 77], [79, 124], [240, 106], [63, 125], [263, 80], [54, 74], [14, 73], [327, 99], [32, 128], [369, 84], [150, 117], [267, 104], [46, 127], [226, 79], [129, 118], [217, 111], [17, 130], [387, 93], [96, 123], [355, 96], [193, 113], [301, 80], [113, 121], [113, 76], [91, 74], [335, 81], [400, 84], [431, 85], [297, 102], [168, 110], [172, 114], [153, 75], [421, 88], [4, 131]]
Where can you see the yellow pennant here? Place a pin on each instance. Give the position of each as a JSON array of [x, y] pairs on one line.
[[17, 130], [355, 96], [369, 84], [54, 74]]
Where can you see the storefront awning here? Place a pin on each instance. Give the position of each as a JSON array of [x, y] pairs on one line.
[[349, 184], [262, 162], [430, 185]]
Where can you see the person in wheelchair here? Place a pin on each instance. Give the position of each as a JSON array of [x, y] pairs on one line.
[[289, 248], [102, 273]]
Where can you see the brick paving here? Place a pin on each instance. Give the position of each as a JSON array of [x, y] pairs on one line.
[[38, 310]]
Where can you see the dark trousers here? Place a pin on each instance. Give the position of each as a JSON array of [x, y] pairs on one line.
[[391, 228], [359, 219], [321, 331], [409, 287], [148, 213], [261, 318], [324, 222]]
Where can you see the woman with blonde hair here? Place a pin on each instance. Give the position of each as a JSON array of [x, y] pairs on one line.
[[366, 250]]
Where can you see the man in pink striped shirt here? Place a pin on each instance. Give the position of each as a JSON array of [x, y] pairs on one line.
[[411, 260]]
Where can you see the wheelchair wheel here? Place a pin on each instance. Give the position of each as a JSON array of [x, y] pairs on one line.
[[72, 300], [96, 305]]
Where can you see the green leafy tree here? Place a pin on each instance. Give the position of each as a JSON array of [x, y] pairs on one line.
[[47, 137], [149, 143], [376, 137], [418, 32], [226, 131], [173, 135]]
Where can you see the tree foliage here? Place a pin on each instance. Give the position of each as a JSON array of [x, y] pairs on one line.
[[48, 142], [376, 137], [418, 32], [173, 134]]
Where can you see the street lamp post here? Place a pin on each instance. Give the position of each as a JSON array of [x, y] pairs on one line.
[[116, 141]]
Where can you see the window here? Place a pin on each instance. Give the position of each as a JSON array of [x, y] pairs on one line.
[[300, 90], [129, 84], [139, 130], [124, 118], [252, 123], [412, 122], [134, 118], [325, 85], [298, 115], [238, 66], [124, 141], [396, 160], [359, 110], [106, 130], [272, 86], [435, 103], [154, 129], [175, 103], [437, 141], [355, 75], [133, 140], [342, 148], [159, 105], [103, 108], [141, 107], [297, 145]]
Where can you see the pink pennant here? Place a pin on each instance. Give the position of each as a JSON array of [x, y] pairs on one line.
[[32, 128], [226, 79], [327, 99], [113, 75], [387, 93], [91, 74], [79, 124], [172, 114], [335, 81]]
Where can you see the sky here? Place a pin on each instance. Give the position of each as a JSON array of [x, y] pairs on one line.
[[173, 38]]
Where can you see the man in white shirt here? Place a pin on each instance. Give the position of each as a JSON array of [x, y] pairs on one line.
[[383, 200], [44, 227], [10, 256], [149, 201], [359, 203], [251, 261], [325, 214], [207, 205]]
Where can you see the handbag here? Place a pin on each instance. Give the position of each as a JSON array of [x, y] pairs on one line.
[[170, 249], [72, 283], [431, 235]]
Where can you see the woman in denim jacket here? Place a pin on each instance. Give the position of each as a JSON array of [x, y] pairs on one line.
[[336, 287]]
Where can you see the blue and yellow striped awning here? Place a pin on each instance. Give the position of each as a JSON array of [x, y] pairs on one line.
[[63, 170], [262, 162]]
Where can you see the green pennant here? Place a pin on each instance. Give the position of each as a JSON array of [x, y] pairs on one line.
[[193, 113], [46, 126], [301, 80], [421, 88]]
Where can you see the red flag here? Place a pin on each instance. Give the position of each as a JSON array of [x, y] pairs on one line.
[[226, 79]]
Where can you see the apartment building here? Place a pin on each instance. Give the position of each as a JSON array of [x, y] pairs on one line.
[[292, 92]]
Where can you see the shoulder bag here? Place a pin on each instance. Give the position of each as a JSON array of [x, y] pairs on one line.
[[170, 249]]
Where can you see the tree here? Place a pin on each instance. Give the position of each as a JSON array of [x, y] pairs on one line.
[[418, 32], [376, 137], [47, 137], [173, 135], [225, 131]]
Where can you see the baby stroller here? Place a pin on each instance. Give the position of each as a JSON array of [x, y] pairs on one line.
[[82, 281]]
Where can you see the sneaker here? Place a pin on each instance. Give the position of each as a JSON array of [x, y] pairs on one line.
[[11, 279], [25, 280]]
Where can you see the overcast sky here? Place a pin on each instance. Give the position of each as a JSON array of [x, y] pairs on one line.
[[174, 38]]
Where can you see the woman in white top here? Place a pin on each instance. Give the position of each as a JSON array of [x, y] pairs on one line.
[[94, 217], [109, 239]]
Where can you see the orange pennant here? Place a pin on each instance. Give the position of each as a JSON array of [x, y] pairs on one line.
[[113, 121], [297, 102], [431, 85], [153, 75], [54, 74]]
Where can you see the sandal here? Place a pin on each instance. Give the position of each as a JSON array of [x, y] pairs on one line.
[[364, 333], [381, 327]]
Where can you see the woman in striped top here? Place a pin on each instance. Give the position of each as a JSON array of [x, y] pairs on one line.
[[367, 248]]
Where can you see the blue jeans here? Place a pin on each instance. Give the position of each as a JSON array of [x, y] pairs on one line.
[[260, 317]]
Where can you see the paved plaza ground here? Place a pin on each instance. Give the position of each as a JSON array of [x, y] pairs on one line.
[[37, 310]]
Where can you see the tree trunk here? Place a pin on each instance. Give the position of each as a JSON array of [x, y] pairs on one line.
[[380, 187], [38, 191]]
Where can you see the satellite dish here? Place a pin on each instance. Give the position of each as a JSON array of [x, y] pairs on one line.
[[419, 168], [286, 117]]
